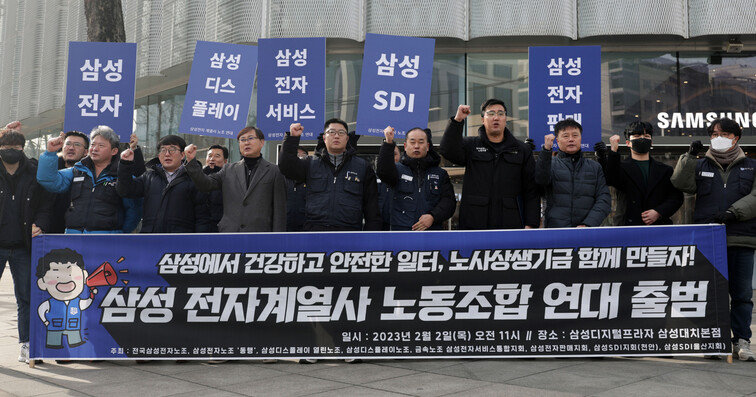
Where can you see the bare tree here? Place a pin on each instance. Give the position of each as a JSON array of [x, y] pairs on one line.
[[104, 21]]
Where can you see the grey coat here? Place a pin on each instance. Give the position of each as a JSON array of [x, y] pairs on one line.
[[576, 193], [259, 208]]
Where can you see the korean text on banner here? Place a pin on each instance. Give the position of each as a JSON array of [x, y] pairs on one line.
[[565, 83], [645, 291], [220, 89], [291, 86], [396, 84], [100, 87]]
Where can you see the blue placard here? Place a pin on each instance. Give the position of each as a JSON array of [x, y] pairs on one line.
[[100, 87], [291, 86], [396, 84], [220, 89], [565, 83]]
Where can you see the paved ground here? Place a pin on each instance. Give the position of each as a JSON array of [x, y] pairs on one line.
[[680, 376]]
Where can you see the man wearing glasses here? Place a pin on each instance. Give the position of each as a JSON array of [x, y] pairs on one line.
[[172, 203], [724, 182], [499, 190], [341, 187], [254, 191]]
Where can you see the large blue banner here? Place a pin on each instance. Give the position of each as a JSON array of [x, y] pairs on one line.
[[560, 292], [220, 89], [565, 83], [100, 87], [291, 86], [396, 84]]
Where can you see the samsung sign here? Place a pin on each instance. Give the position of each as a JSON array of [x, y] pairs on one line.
[[702, 120]]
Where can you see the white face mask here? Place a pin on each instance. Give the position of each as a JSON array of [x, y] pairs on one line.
[[721, 143]]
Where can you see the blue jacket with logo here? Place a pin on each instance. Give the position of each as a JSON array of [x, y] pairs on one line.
[[418, 187], [95, 205]]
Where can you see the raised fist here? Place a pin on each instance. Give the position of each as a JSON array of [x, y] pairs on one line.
[[548, 141], [55, 144], [190, 152], [13, 125], [695, 148], [133, 141], [296, 129], [462, 112], [600, 149], [127, 155], [614, 142], [388, 132]]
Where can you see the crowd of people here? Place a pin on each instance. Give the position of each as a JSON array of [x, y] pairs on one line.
[[84, 184]]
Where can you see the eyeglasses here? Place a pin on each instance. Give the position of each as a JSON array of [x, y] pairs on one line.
[[74, 144], [336, 132], [170, 150], [491, 113], [250, 139]]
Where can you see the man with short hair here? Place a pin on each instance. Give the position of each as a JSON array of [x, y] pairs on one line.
[[95, 206], [575, 187], [724, 182], [75, 147], [498, 191], [25, 212], [341, 187], [422, 196], [172, 203], [650, 198], [254, 191], [217, 157]]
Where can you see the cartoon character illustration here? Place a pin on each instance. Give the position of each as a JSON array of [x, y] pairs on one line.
[[61, 273]]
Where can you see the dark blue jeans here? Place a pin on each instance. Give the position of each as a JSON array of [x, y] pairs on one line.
[[20, 265], [740, 269]]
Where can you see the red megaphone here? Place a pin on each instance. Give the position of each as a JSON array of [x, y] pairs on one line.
[[104, 275]]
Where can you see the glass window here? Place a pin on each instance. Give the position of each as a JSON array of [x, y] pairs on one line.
[[503, 75], [713, 87]]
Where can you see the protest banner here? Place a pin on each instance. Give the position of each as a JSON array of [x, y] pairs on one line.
[[624, 291], [291, 86], [220, 89], [396, 84], [564, 83], [100, 87]]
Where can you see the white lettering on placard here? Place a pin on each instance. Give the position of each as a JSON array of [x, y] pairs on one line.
[[397, 103], [691, 120]]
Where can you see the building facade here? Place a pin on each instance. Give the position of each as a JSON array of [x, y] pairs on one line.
[[673, 63]]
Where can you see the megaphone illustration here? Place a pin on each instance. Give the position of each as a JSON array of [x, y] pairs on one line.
[[103, 275]]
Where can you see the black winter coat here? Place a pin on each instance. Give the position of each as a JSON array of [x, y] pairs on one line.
[[176, 207], [657, 194], [338, 198], [36, 207], [499, 190], [214, 202], [576, 191], [418, 187]]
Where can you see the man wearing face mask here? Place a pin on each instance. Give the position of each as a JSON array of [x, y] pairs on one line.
[[723, 181], [650, 197], [25, 212]]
